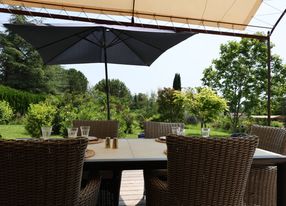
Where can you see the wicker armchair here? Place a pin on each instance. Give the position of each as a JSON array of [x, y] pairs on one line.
[[45, 172], [158, 129], [202, 171], [155, 130], [261, 188], [110, 180]]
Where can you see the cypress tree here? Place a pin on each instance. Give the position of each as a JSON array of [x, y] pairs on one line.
[[177, 82]]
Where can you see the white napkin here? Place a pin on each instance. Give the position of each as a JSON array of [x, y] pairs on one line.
[[163, 138], [92, 138]]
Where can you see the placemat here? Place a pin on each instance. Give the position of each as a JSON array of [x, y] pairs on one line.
[[95, 141], [160, 140], [89, 153]]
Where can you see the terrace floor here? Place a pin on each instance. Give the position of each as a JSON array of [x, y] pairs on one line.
[[131, 191]]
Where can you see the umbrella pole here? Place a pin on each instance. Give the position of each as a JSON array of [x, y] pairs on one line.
[[106, 76]]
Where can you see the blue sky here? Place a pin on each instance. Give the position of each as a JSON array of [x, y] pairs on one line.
[[189, 58]]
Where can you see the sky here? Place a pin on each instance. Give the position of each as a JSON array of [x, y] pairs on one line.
[[188, 58]]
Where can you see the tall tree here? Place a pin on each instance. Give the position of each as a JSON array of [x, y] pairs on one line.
[[60, 80], [240, 75], [20, 65], [117, 88], [177, 82], [145, 106], [205, 104], [170, 107], [77, 82]]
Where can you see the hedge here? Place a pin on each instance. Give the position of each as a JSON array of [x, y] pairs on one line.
[[19, 100]]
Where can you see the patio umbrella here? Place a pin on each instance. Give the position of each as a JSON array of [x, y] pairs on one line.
[[98, 44]]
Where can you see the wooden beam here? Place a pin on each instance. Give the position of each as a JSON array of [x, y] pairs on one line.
[[108, 22]]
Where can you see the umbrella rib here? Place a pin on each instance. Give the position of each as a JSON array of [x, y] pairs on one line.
[[116, 41], [59, 40], [144, 42], [77, 34], [84, 38], [136, 53]]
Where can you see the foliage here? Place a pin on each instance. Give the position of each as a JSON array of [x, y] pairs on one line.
[[139, 101], [177, 82], [205, 104], [6, 112], [226, 124], [20, 64], [19, 100], [120, 100], [21, 67], [71, 107], [89, 106], [60, 80], [191, 119], [39, 115], [223, 123], [116, 88], [144, 107], [77, 82], [170, 107], [240, 75], [277, 124]]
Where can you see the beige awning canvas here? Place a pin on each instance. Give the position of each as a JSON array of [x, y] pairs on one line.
[[234, 14]]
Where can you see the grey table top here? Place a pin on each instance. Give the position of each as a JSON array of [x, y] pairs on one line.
[[150, 150]]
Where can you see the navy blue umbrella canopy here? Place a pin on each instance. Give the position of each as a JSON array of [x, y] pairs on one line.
[[98, 44]]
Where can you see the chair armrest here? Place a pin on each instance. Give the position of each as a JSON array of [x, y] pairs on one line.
[[156, 190], [89, 194]]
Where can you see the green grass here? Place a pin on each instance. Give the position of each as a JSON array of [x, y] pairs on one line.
[[15, 131], [195, 130], [18, 131], [191, 130]]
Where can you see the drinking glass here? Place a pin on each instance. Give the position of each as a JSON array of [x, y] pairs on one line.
[[84, 131], [46, 132], [180, 131], [174, 129], [72, 132], [205, 132]]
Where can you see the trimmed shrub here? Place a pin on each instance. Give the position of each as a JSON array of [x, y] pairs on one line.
[[19, 100], [277, 124], [6, 112], [39, 115], [223, 122]]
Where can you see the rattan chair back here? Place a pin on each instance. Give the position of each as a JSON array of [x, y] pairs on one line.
[[208, 171], [99, 128], [158, 129], [270, 138], [261, 188], [41, 172], [110, 180]]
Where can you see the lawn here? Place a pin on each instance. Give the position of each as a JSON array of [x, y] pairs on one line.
[[196, 130], [18, 131], [191, 130], [13, 131]]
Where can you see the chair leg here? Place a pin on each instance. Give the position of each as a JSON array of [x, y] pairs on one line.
[[117, 182], [110, 189]]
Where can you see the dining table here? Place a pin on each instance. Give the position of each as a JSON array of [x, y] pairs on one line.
[[133, 154]]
